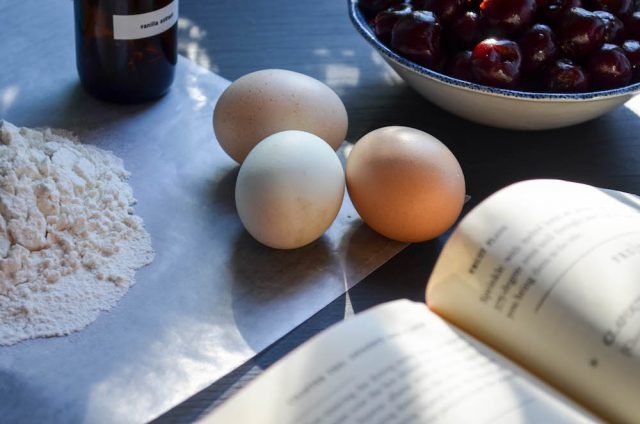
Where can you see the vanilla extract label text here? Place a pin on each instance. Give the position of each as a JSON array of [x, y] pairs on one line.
[[133, 27]]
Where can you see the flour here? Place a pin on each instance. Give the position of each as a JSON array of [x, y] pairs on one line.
[[69, 241]]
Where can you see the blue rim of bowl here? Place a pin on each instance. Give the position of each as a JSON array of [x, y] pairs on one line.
[[365, 30]]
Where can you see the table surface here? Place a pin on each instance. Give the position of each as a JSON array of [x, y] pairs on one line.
[[234, 37]]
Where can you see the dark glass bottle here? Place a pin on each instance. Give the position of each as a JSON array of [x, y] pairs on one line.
[[126, 50]]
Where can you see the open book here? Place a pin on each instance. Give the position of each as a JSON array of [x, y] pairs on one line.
[[533, 317]]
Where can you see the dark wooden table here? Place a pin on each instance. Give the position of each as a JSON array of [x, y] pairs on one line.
[[234, 37]]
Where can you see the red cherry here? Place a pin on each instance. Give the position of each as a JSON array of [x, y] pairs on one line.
[[563, 76], [496, 62], [614, 28], [509, 16], [417, 36], [459, 66], [422, 4], [384, 21], [552, 11], [465, 32], [447, 10], [580, 33], [538, 48], [371, 8], [631, 49], [632, 27], [608, 67], [620, 8]]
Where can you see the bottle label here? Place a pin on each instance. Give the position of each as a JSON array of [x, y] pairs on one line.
[[143, 25]]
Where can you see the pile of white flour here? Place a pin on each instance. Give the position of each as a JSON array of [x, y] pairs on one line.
[[69, 242]]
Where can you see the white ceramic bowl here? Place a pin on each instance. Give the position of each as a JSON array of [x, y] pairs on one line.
[[495, 106]]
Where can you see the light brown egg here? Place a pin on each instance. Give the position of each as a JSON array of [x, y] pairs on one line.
[[269, 101], [405, 184]]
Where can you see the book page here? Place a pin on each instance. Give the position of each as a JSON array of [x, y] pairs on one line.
[[548, 273], [394, 364]]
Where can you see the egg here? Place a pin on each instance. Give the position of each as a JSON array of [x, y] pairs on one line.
[[405, 184], [273, 100], [289, 189]]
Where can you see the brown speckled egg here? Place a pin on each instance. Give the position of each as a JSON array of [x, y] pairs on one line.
[[269, 101], [405, 183]]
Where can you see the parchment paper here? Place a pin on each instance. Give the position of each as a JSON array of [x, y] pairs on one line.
[[212, 298]]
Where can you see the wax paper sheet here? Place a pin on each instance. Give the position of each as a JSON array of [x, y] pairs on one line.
[[212, 298]]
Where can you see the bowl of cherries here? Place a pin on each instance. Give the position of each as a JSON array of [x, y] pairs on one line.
[[518, 64]]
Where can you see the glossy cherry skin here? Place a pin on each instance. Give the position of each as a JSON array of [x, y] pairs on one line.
[[620, 8], [549, 45], [580, 33], [563, 76], [448, 10], [509, 16], [608, 67], [466, 30], [614, 28], [384, 21], [421, 4], [445, 10], [418, 37], [552, 11], [632, 27], [631, 49], [370, 8], [538, 48], [460, 67], [496, 62]]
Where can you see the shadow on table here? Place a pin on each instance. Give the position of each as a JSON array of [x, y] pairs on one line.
[[24, 396], [67, 105], [407, 272], [223, 191], [268, 282]]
